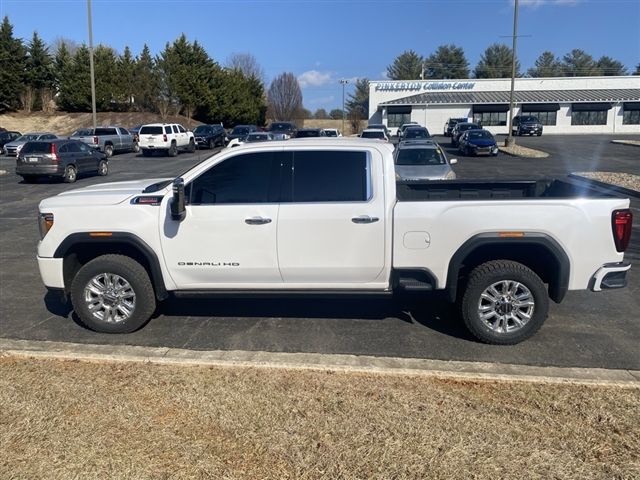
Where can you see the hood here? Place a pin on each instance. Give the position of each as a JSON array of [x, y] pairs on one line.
[[422, 172], [482, 142], [16, 143], [101, 194]]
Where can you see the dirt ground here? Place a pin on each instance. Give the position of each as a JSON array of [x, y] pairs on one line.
[[70, 419]]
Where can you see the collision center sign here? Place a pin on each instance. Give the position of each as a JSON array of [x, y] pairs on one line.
[[417, 86]]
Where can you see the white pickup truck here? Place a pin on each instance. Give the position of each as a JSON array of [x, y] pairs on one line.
[[326, 217]]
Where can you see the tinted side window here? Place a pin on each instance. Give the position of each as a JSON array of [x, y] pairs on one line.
[[73, 147], [181, 128], [124, 131], [248, 178], [167, 129], [63, 149], [175, 129], [330, 176]]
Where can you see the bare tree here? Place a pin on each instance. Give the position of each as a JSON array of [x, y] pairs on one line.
[[247, 64], [284, 96], [71, 45]]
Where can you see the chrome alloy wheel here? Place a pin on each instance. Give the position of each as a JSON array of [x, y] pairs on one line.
[[110, 298], [506, 306]]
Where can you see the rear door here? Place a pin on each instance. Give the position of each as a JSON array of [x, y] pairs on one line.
[[87, 157], [331, 226]]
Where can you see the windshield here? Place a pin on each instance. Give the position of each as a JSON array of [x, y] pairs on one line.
[[416, 133], [279, 127], [331, 133], [529, 119], [373, 134], [480, 134], [419, 156], [27, 138], [471, 126], [240, 131], [82, 133], [261, 137], [201, 129], [308, 133]]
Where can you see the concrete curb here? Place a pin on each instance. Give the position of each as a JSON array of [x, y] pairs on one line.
[[315, 361], [511, 154], [630, 143]]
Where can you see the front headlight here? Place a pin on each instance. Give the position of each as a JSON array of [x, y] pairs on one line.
[[45, 222], [19, 147]]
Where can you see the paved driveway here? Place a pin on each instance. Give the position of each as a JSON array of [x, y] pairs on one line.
[[587, 329]]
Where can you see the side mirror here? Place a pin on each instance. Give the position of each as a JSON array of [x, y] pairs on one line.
[[453, 161], [178, 211]]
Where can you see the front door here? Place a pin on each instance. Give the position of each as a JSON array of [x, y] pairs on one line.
[[228, 238], [331, 228]]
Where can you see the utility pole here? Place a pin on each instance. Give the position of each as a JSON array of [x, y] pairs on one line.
[[510, 140], [93, 78], [343, 82]]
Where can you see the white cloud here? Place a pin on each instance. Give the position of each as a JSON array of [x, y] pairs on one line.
[[314, 78], [540, 3]]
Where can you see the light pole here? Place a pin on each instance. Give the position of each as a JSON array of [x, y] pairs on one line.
[[343, 82], [510, 140], [93, 79]]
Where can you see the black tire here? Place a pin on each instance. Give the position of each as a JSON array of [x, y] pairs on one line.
[[173, 150], [467, 152], [539, 134], [108, 150], [490, 273], [29, 178], [70, 174], [134, 274], [135, 148], [103, 168], [146, 152], [192, 146], [212, 144]]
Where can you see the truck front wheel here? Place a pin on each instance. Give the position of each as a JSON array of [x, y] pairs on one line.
[[504, 302], [113, 294]]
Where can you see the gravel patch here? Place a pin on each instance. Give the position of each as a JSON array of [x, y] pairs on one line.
[[524, 152], [633, 143], [624, 180]]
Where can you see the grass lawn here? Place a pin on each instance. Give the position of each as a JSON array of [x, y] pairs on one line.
[[71, 419]]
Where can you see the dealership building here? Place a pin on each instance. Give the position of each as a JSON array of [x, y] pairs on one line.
[[563, 105]]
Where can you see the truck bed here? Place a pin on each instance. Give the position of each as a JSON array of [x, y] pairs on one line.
[[449, 190]]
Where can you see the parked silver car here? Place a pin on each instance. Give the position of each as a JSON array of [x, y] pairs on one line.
[[422, 160], [13, 148]]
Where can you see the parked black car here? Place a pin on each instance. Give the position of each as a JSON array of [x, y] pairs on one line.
[[283, 128], [460, 128], [448, 126], [477, 142], [415, 133], [60, 158], [210, 136], [241, 131], [310, 132], [526, 125], [6, 137]]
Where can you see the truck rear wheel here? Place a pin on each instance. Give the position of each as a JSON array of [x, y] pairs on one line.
[[108, 150], [113, 294], [504, 302]]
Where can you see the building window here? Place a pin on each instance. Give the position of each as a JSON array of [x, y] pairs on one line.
[[397, 119], [490, 119], [631, 117], [589, 117], [546, 118]]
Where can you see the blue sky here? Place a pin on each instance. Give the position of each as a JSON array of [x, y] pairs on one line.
[[322, 41]]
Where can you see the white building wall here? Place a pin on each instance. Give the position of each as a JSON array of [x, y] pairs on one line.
[[434, 116]]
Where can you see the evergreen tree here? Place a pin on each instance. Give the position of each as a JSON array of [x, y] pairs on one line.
[[406, 66], [126, 66], [107, 80], [146, 82], [234, 99], [74, 83], [637, 72], [39, 79], [448, 61], [495, 62], [12, 67], [610, 67], [357, 103], [547, 65], [336, 113], [61, 64], [578, 63]]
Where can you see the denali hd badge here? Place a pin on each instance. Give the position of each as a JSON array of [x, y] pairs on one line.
[[208, 264]]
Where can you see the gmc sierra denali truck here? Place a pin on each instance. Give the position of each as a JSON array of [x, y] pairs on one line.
[[326, 216]]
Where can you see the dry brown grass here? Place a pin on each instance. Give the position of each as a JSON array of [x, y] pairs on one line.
[[62, 123], [64, 419]]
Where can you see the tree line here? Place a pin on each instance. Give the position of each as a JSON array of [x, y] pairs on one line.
[[180, 79], [449, 61]]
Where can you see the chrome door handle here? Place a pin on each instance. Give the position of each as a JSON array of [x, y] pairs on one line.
[[257, 220], [364, 219]]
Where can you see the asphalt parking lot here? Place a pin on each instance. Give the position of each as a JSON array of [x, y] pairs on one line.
[[586, 330]]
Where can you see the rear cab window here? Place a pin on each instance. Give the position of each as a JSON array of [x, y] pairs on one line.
[[105, 131]]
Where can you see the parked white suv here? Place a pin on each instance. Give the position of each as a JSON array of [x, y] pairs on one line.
[[168, 137]]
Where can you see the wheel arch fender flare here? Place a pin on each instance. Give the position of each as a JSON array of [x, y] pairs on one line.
[[128, 242], [558, 275]]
